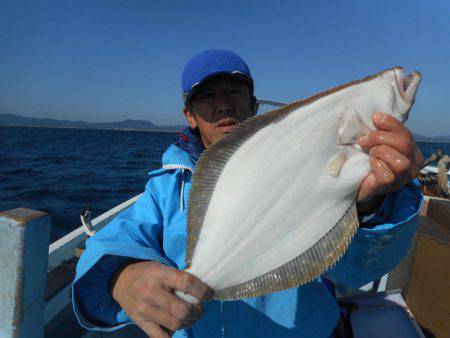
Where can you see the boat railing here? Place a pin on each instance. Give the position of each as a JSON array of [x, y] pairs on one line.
[[63, 248], [35, 279]]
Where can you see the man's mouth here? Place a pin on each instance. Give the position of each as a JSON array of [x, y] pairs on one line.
[[227, 125]]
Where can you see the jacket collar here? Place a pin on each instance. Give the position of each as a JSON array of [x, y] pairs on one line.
[[185, 152], [190, 141]]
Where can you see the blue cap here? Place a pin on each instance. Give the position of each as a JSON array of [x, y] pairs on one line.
[[209, 63]]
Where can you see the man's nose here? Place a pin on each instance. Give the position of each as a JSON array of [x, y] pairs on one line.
[[224, 105]]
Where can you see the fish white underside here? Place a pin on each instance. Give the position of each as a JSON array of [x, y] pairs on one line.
[[287, 185]]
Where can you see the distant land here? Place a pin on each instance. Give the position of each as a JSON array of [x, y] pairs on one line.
[[16, 120], [438, 138]]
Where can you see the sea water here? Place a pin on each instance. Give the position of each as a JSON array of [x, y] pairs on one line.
[[61, 171]]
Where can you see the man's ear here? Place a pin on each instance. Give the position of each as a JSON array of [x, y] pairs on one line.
[[190, 117]]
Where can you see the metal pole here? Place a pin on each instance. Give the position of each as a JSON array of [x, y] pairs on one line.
[[24, 240]]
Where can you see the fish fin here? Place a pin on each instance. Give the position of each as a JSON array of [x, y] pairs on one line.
[[304, 268], [336, 163], [210, 166], [351, 127]]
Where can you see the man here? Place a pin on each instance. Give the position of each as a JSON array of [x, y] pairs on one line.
[[130, 269]]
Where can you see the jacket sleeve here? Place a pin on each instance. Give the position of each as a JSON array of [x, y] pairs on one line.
[[381, 242], [136, 233]]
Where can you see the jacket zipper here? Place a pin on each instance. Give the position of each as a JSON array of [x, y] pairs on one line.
[[183, 168]]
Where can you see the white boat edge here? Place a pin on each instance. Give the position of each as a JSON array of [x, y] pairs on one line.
[[63, 248]]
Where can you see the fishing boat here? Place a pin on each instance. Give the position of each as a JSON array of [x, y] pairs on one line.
[[410, 301]]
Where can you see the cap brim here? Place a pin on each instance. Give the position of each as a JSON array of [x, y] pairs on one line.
[[195, 86]]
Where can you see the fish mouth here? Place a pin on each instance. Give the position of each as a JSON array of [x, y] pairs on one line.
[[408, 86]]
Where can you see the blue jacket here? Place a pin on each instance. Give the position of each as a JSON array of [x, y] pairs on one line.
[[154, 228]]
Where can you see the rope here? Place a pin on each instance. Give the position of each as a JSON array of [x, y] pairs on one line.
[[85, 216], [443, 165]]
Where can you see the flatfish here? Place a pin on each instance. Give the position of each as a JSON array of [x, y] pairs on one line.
[[272, 204]]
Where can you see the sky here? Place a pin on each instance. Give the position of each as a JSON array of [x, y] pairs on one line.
[[116, 60]]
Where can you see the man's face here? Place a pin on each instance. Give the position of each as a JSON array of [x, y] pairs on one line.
[[218, 106]]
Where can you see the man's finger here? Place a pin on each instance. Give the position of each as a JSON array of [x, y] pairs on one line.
[[397, 162], [371, 186], [156, 315], [186, 311], [379, 181], [401, 142], [387, 122], [384, 176], [152, 329], [189, 284], [176, 306], [368, 188]]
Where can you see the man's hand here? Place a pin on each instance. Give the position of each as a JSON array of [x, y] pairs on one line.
[[145, 292], [395, 159]]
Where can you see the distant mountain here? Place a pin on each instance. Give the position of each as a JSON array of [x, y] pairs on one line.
[[438, 138], [16, 120]]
